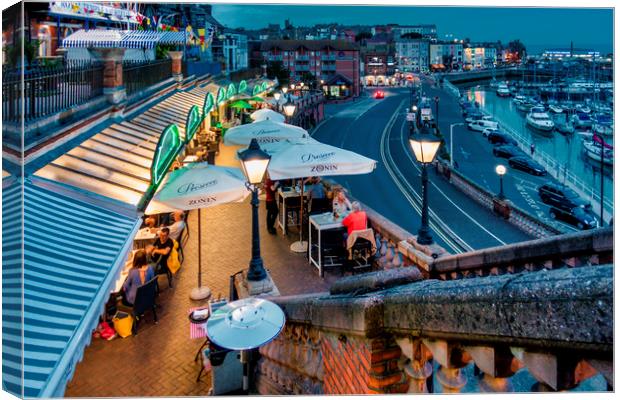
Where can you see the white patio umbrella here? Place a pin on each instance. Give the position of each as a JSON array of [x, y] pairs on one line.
[[304, 157], [266, 113], [266, 131], [197, 186]]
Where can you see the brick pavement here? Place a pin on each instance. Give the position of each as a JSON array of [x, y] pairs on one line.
[[159, 361]]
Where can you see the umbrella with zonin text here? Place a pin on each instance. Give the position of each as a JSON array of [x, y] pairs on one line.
[[198, 186], [304, 157]]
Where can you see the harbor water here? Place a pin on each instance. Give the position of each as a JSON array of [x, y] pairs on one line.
[[567, 150]]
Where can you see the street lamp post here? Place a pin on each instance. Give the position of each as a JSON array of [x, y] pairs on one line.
[[452, 142], [414, 110], [289, 110], [501, 171], [437, 111], [254, 162], [424, 146], [277, 96]]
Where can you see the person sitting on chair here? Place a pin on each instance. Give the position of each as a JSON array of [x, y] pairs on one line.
[[316, 190], [176, 228], [340, 205], [160, 251], [138, 275], [357, 220]]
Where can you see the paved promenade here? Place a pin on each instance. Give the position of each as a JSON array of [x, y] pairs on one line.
[[159, 361]]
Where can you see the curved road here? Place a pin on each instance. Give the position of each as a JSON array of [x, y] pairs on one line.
[[377, 129]]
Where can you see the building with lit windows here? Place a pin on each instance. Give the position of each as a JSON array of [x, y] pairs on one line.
[[446, 55], [335, 62], [412, 55], [479, 57]]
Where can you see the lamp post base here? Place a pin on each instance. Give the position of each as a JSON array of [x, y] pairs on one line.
[[424, 237], [200, 293], [300, 246]]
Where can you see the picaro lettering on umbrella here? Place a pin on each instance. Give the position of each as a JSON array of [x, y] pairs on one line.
[[310, 157], [192, 187]]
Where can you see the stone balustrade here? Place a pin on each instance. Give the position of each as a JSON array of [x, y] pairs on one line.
[[396, 332], [516, 216], [586, 248]]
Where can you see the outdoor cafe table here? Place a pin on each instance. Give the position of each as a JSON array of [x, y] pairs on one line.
[[283, 196], [143, 237], [321, 222]]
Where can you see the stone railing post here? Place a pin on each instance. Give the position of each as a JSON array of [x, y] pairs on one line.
[[417, 364], [495, 366], [112, 60], [177, 59], [451, 359]]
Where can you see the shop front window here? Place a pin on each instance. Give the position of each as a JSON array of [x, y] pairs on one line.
[[334, 91]]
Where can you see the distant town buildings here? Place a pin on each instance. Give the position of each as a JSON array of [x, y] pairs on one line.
[[428, 31], [479, 57], [412, 54], [446, 55], [333, 64], [563, 54]]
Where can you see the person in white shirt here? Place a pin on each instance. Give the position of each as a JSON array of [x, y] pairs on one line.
[[177, 227]]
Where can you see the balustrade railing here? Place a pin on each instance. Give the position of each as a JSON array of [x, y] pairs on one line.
[[49, 90], [138, 76]]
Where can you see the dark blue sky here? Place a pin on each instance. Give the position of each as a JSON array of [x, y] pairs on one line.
[[536, 27]]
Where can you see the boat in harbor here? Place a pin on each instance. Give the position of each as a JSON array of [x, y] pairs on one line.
[[502, 90], [556, 108], [565, 128], [593, 151], [582, 108], [602, 125], [538, 119], [581, 121], [526, 105], [518, 99]]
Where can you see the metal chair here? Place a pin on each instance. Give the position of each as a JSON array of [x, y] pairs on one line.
[[360, 256], [145, 300]]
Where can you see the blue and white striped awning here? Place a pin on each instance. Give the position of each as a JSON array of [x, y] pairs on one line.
[[73, 252], [101, 38]]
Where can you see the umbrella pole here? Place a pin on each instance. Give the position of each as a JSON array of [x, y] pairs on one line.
[[300, 246], [200, 292]]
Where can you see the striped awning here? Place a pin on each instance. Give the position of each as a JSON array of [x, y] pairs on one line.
[[101, 38], [73, 252]]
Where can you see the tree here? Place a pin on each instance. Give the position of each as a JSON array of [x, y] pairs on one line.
[[276, 69], [308, 79], [447, 60], [412, 35], [362, 36], [515, 46]]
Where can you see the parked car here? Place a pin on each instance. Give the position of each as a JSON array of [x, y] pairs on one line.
[[497, 137], [526, 164], [561, 196], [482, 124], [507, 151], [379, 94], [577, 216]]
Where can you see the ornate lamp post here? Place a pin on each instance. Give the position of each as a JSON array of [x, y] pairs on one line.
[[501, 171], [424, 146], [254, 162], [414, 110], [277, 96], [289, 110]]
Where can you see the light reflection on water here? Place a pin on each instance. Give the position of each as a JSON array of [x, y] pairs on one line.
[[565, 149]]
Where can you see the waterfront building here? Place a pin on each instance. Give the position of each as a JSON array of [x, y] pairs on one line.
[[480, 57], [562, 54], [322, 59], [426, 30], [449, 55], [233, 48], [412, 55]]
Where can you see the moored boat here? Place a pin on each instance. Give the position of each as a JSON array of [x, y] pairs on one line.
[[538, 119], [593, 151], [502, 90]]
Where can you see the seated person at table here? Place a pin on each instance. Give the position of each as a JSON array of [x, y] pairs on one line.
[[340, 205], [357, 220], [160, 250], [316, 189], [176, 228], [138, 275], [149, 222]]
